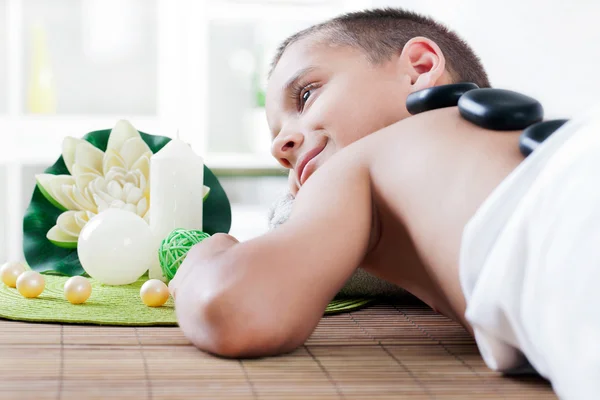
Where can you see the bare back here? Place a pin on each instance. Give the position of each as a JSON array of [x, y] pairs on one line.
[[429, 174]]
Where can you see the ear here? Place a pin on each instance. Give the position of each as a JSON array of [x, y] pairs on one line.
[[423, 61]]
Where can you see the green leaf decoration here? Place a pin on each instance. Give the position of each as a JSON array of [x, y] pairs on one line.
[[41, 215]]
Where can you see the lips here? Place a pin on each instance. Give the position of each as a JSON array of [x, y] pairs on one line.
[[305, 167]]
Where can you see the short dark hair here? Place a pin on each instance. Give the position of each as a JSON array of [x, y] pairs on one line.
[[381, 33]]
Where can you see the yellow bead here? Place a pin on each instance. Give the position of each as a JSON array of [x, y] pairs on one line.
[[154, 293], [77, 290], [10, 272], [30, 284]]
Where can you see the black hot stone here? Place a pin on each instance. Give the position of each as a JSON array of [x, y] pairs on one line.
[[534, 135], [437, 97], [499, 109]]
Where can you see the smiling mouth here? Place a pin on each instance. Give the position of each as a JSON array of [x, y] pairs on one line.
[[307, 165]]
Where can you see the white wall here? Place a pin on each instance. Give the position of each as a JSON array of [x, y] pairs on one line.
[[547, 49], [3, 214], [3, 49]]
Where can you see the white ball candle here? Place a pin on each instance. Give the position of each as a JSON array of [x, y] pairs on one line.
[[154, 293], [77, 290], [176, 192], [10, 272], [116, 247], [31, 284]]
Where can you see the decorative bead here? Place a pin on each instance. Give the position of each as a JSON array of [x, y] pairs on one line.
[[30, 284], [77, 290], [174, 248], [499, 109], [10, 272], [437, 97], [534, 135], [154, 293]]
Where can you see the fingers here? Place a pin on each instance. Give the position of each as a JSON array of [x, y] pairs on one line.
[[180, 276], [199, 254], [172, 288], [221, 241], [293, 183], [210, 247]]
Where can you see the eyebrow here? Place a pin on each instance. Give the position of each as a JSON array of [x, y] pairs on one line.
[[297, 76]]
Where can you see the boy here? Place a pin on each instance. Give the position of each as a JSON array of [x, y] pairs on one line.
[[333, 61], [395, 202]]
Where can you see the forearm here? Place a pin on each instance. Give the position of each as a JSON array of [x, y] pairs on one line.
[[246, 301], [266, 296], [235, 308]]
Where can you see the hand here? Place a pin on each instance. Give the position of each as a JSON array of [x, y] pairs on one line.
[[293, 183], [200, 254]]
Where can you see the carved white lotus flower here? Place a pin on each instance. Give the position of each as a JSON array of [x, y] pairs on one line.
[[117, 178]]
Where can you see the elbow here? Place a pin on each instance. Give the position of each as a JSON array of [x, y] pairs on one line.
[[219, 325]]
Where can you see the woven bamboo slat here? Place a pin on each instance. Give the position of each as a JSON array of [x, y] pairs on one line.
[[386, 351]]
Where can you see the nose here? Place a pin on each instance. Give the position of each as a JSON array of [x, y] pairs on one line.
[[285, 146]]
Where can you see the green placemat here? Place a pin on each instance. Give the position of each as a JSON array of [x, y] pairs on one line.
[[108, 305]]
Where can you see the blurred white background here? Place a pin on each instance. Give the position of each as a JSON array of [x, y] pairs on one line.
[[68, 67]]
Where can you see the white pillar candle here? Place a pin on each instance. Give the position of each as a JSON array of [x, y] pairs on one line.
[[176, 191]]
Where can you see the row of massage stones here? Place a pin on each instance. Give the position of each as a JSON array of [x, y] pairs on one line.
[[494, 109]]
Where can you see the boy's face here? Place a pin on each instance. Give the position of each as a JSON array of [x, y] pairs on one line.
[[321, 98]]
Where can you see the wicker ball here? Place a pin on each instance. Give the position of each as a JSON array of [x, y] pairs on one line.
[[175, 247]]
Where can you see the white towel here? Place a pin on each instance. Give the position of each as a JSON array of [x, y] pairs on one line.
[[530, 263]]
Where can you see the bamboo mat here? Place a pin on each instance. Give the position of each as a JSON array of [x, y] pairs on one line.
[[386, 351]]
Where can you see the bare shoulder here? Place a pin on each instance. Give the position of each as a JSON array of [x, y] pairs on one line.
[[336, 182], [438, 150], [433, 171]]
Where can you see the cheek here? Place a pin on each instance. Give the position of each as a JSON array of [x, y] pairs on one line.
[[350, 112], [386, 104], [342, 116], [357, 118], [385, 110]]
